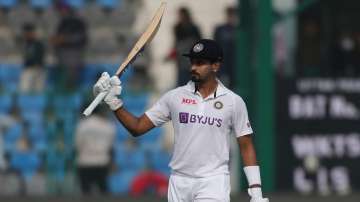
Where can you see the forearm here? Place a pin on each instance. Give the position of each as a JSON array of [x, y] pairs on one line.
[[129, 121], [248, 154], [135, 125], [247, 150]]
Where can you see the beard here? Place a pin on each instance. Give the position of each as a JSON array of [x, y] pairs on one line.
[[195, 77]]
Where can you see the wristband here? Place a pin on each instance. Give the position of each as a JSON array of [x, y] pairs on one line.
[[253, 175]]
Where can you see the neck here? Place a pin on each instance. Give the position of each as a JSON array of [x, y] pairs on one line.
[[207, 87]]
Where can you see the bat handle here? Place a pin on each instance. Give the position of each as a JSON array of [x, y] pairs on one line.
[[94, 103]]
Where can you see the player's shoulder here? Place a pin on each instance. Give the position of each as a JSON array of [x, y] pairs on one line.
[[237, 99], [173, 92], [180, 90]]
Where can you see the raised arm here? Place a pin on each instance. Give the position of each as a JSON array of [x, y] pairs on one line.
[[135, 125]]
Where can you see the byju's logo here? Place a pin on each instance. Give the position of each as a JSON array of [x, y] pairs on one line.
[[199, 119], [184, 117]]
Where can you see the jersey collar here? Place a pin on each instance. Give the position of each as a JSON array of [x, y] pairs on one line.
[[220, 90]]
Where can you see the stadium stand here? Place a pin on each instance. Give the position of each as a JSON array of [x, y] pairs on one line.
[[47, 120]]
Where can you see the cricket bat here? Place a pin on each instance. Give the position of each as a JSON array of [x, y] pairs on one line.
[[145, 38]]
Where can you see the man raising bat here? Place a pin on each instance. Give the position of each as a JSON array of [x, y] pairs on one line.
[[204, 113]]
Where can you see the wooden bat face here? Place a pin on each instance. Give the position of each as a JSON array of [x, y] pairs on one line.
[[145, 38]]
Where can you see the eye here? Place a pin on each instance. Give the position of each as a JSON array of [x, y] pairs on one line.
[[198, 62]]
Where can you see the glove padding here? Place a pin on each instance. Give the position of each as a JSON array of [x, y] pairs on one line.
[[112, 86], [256, 195], [102, 84], [112, 97]]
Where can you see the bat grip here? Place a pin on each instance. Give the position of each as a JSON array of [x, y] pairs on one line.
[[94, 103]]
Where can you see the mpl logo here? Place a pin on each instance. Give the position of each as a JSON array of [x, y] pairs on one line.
[[188, 101]]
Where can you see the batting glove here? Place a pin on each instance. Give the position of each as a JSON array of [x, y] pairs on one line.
[[112, 97], [102, 85], [256, 195]]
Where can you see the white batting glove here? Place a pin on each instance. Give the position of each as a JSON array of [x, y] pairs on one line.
[[102, 84], [112, 97], [256, 195]]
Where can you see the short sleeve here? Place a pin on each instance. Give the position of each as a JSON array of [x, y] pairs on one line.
[[159, 113], [241, 123]]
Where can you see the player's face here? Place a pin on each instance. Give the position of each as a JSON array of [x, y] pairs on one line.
[[201, 69]]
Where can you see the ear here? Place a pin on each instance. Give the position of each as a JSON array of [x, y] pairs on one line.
[[215, 66]]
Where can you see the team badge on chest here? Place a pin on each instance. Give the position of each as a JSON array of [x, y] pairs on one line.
[[218, 105]]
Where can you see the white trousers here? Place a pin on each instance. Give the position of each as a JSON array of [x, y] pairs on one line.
[[208, 189]]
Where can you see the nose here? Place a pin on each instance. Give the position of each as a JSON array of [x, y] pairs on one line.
[[193, 67]]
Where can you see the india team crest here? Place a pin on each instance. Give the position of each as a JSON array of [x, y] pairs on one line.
[[218, 105], [198, 47]]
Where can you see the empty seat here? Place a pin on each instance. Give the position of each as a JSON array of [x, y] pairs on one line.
[[11, 136], [31, 102], [37, 135], [136, 102], [8, 3], [76, 4], [151, 139], [89, 75], [112, 68], [10, 76], [32, 107], [159, 160], [64, 103], [121, 134], [120, 181], [125, 158], [5, 103], [108, 4], [40, 4], [25, 162], [55, 163]]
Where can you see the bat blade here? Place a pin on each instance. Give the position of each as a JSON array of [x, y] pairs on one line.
[[145, 38]]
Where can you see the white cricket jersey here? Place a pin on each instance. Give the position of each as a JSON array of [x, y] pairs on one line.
[[202, 128]]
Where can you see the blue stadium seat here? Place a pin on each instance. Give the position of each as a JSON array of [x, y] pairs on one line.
[[30, 102], [109, 4], [32, 117], [32, 107], [120, 182], [136, 102], [69, 129], [112, 68], [76, 4], [10, 77], [129, 158], [5, 103], [70, 103], [40, 4], [121, 134], [151, 138], [135, 111], [8, 3], [26, 163], [55, 163], [159, 160], [89, 75], [37, 136], [11, 135]]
